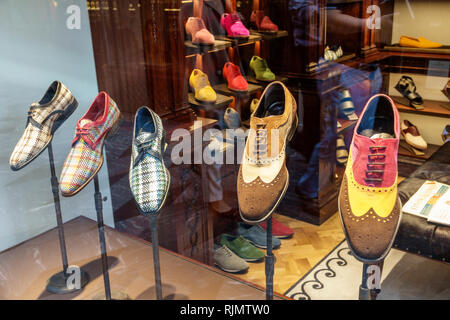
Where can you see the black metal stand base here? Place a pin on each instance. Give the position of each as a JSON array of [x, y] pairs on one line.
[[364, 292], [107, 295], [59, 283], [156, 265], [269, 261]]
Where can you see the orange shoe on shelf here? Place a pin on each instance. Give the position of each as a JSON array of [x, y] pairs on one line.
[[235, 80], [419, 42]]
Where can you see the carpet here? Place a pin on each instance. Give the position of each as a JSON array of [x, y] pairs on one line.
[[405, 276]]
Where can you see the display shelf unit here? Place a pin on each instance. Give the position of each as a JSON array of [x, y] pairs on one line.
[[193, 49], [431, 107], [404, 150]]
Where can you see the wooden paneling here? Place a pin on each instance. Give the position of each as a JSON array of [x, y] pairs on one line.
[[118, 52]]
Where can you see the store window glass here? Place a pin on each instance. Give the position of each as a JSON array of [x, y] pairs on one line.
[[222, 149]]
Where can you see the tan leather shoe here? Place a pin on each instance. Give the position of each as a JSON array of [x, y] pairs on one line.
[[263, 178]]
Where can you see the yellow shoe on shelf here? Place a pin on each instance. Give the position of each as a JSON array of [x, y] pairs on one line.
[[203, 91], [419, 42]]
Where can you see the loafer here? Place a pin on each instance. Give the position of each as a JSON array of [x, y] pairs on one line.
[[257, 236], [149, 178], [233, 25], [419, 42], [407, 88], [242, 247], [279, 230], [341, 151], [203, 92], [86, 155], [412, 136], [346, 106], [263, 178], [262, 72], [236, 82], [369, 205], [44, 118], [263, 22], [228, 261], [199, 34]]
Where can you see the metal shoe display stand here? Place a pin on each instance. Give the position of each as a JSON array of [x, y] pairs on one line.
[[58, 283], [115, 295], [364, 292], [269, 262], [153, 219]]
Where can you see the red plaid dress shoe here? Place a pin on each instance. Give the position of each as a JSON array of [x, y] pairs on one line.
[[44, 117], [86, 156]]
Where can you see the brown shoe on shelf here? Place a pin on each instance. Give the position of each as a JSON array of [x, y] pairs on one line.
[[263, 178]]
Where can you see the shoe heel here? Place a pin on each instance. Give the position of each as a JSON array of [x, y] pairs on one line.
[[65, 115]]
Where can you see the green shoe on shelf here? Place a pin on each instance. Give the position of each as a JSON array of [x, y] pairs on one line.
[[261, 69], [241, 247]]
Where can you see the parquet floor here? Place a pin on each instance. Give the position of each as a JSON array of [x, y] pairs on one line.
[[299, 254]]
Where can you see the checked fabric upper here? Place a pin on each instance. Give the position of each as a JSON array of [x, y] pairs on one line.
[[149, 178], [86, 157], [368, 201], [44, 117]]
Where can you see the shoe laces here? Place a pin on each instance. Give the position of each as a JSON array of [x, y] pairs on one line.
[[375, 165], [228, 252], [260, 149], [203, 81], [235, 18], [234, 70]]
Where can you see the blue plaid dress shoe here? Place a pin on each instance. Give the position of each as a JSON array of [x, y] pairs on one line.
[[149, 177]]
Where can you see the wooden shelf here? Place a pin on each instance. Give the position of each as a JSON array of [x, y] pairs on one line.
[[397, 47], [221, 102], [346, 125], [404, 150], [240, 42], [270, 36], [252, 79], [193, 49], [431, 107], [223, 88]]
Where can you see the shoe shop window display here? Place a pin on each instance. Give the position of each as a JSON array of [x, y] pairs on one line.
[[305, 164]]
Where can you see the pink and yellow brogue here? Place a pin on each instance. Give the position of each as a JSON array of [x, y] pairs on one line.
[[369, 206]]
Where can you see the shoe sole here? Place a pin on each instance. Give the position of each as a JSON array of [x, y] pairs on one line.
[[109, 134], [58, 122], [230, 270], [253, 222], [263, 247], [385, 253]]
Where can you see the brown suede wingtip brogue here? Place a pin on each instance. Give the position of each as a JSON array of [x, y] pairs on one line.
[[263, 178]]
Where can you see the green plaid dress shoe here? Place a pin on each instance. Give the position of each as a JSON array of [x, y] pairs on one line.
[[44, 117], [149, 177]]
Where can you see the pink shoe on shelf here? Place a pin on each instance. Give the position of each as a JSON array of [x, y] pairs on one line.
[[234, 26], [200, 35]]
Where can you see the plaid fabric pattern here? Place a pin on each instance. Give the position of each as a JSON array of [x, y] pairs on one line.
[[35, 139], [86, 157], [149, 178]]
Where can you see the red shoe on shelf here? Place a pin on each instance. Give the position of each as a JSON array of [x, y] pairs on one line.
[[236, 82], [263, 22], [279, 230]]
